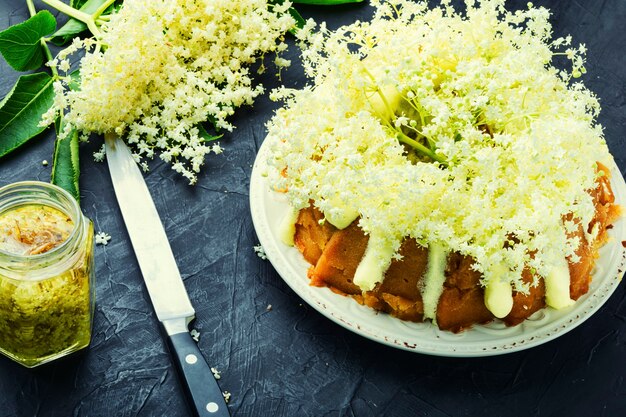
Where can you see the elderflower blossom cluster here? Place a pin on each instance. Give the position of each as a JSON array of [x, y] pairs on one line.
[[450, 127], [163, 67]]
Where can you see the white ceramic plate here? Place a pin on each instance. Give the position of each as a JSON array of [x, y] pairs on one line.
[[269, 208]]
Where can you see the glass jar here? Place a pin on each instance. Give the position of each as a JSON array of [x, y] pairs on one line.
[[46, 273]]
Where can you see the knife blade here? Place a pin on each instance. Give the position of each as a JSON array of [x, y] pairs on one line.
[[163, 281]]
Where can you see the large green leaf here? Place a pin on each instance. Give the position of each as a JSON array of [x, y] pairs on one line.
[[65, 165], [22, 108], [20, 45]]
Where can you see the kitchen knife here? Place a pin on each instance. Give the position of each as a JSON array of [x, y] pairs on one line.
[[165, 285]]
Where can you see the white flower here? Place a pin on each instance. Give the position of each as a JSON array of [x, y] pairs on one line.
[[227, 396], [100, 154], [401, 121], [260, 251], [217, 149], [195, 335], [64, 65], [102, 238]]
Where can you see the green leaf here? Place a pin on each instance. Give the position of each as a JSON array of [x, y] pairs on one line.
[[65, 163], [20, 45], [204, 135], [210, 119], [300, 22], [74, 83], [73, 27], [77, 4], [325, 2], [22, 108]]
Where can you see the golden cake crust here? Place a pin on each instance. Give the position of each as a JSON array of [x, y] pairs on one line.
[[335, 255]]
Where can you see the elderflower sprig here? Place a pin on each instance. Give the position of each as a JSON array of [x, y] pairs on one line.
[[156, 71], [155, 74]]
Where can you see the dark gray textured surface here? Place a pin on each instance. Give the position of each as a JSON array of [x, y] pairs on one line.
[[291, 361]]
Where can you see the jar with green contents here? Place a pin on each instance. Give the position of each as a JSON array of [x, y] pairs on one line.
[[46, 273]]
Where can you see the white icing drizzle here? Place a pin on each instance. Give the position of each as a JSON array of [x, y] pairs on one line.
[[287, 227], [557, 286], [499, 295], [342, 218], [434, 279], [375, 262]]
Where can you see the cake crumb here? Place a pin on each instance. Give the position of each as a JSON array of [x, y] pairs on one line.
[[268, 308], [216, 373], [260, 251], [226, 395], [44, 162]]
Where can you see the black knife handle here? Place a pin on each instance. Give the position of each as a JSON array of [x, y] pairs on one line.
[[203, 394]]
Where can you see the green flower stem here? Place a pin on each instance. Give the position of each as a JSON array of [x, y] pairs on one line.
[[385, 102], [102, 9], [46, 50], [420, 148], [31, 8], [418, 108], [421, 111], [379, 92], [44, 44], [401, 136], [101, 20], [431, 142], [76, 14]]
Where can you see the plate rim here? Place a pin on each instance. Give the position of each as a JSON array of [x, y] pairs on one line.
[[612, 253]]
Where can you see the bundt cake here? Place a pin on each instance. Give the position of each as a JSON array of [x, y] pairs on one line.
[[441, 167]]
